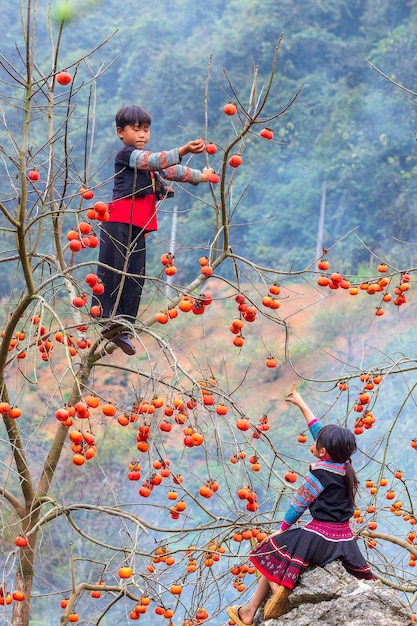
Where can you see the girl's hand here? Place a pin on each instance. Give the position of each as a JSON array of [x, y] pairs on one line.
[[277, 532], [294, 397]]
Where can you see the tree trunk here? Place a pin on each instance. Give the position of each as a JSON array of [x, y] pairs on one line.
[[23, 582]]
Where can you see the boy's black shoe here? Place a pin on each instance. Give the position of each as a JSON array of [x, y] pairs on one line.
[[123, 342], [116, 333], [111, 329]]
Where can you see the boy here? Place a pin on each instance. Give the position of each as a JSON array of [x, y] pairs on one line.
[[122, 251]]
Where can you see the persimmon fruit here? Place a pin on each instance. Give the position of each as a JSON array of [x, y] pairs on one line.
[[21, 541], [78, 302], [95, 311], [170, 270], [186, 304], [221, 409], [205, 491], [162, 317], [275, 289], [243, 424], [125, 572], [18, 596], [207, 270], [15, 412], [211, 148], [108, 409], [290, 477], [267, 133], [235, 160], [63, 78], [75, 245], [34, 175], [230, 108]]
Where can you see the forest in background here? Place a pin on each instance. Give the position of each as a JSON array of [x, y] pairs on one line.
[[349, 127]]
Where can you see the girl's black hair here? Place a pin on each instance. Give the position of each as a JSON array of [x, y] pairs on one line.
[[340, 444], [132, 115]]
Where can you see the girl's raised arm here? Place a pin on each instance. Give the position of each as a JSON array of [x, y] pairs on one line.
[[295, 398]]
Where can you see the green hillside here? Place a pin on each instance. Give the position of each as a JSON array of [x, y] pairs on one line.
[[349, 127]]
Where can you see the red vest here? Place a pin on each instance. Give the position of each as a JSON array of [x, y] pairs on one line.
[[139, 211]]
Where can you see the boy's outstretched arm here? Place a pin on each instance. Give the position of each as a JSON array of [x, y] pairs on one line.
[[196, 147], [295, 398]]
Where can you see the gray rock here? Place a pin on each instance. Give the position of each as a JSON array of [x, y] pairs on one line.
[[330, 596]]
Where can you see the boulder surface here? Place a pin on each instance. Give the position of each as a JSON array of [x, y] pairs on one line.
[[330, 596]]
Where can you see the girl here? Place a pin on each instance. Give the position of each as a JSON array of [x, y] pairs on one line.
[[328, 491]]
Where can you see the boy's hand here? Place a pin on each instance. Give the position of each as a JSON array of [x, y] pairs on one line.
[[194, 147], [205, 174]]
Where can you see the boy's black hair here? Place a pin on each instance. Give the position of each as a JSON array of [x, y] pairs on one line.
[[340, 444], [131, 115]]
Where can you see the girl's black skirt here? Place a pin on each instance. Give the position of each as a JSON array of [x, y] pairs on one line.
[[283, 558]]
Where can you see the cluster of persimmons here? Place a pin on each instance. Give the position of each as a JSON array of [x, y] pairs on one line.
[[335, 280]]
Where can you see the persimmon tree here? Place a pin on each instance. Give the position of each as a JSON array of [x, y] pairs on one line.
[[209, 479]]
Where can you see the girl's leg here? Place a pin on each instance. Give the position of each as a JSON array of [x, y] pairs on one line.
[[277, 604], [247, 612]]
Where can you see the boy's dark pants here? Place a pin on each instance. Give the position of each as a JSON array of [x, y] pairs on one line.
[[122, 247]]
